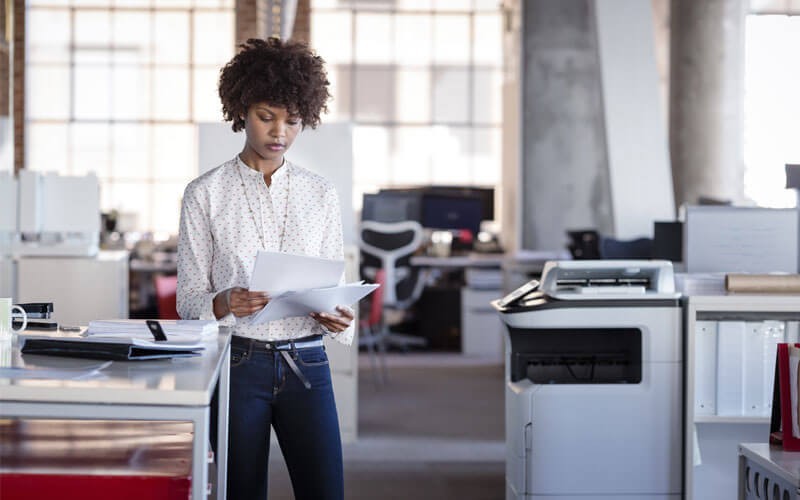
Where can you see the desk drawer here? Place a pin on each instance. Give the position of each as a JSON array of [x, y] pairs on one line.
[[95, 459], [481, 328], [477, 301]]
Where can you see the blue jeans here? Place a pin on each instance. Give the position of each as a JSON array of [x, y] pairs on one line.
[[265, 391]]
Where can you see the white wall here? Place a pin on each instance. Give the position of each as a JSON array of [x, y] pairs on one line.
[[328, 150], [636, 137], [6, 144]]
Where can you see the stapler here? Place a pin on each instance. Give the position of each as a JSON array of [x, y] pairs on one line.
[[39, 316]]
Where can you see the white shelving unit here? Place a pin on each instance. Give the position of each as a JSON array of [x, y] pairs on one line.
[[717, 437]]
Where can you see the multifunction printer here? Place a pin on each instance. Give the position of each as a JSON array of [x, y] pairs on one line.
[[593, 376]]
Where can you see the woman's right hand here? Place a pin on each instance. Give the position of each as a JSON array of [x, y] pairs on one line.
[[243, 302]]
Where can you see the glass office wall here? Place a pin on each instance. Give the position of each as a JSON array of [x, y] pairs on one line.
[[421, 82]]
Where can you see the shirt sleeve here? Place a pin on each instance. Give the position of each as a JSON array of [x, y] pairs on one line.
[[195, 294], [333, 248]]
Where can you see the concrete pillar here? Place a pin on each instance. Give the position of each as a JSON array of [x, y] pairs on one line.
[[564, 162], [706, 100]]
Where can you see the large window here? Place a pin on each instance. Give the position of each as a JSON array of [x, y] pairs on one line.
[[772, 107], [116, 87], [420, 80]]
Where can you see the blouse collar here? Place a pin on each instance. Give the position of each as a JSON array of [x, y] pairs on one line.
[[280, 173]]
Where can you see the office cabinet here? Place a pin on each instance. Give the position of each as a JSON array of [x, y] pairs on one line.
[[344, 363], [481, 328], [7, 272], [438, 310], [81, 288], [729, 365]]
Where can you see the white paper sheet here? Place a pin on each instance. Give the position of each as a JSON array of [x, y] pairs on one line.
[[278, 273], [315, 300], [181, 330]]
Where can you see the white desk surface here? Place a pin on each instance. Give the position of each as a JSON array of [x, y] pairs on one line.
[[178, 382], [488, 259], [469, 260]]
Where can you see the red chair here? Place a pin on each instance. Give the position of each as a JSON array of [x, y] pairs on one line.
[[166, 296], [373, 331]]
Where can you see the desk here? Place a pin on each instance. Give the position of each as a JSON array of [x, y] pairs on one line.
[[459, 261], [717, 436], [143, 300], [766, 471], [486, 277], [518, 267], [179, 390]]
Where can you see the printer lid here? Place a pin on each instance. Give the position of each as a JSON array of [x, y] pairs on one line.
[[609, 279]]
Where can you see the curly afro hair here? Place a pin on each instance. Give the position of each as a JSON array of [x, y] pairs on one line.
[[285, 74]]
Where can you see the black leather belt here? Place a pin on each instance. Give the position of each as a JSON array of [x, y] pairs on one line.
[[278, 345], [287, 348]]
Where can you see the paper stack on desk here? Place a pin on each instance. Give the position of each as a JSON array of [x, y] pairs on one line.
[[180, 330], [299, 285]]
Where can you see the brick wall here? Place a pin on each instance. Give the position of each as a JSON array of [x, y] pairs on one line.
[[5, 52], [252, 19], [302, 21], [18, 69]]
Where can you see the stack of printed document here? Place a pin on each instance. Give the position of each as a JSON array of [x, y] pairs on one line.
[[180, 330], [299, 285]]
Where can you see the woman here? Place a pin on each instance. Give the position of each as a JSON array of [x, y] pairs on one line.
[[260, 201]]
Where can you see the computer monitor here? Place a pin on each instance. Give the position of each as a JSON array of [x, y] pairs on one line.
[[435, 207], [452, 212], [391, 207], [486, 194]]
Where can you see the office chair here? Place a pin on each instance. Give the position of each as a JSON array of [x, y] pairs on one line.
[[389, 246], [372, 333]]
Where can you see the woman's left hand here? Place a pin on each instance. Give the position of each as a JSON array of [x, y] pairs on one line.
[[335, 323]]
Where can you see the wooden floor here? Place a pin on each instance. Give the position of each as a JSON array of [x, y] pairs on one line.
[[434, 431]]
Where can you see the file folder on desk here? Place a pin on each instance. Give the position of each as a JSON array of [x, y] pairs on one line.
[[705, 368], [758, 364], [784, 422], [114, 349], [730, 346]]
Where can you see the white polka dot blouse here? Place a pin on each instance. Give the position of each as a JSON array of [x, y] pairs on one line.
[[220, 236]]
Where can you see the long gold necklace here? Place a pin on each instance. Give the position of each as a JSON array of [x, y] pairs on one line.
[[260, 230]]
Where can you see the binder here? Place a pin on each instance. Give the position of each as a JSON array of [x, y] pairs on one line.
[[783, 420], [705, 368], [113, 349], [758, 365], [730, 345], [775, 332]]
